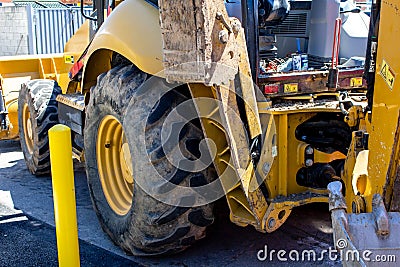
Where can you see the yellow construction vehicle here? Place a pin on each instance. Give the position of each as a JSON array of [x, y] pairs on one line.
[[19, 69], [175, 104], [16, 70]]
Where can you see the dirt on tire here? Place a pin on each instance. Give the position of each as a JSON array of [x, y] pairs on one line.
[[150, 227], [40, 97]]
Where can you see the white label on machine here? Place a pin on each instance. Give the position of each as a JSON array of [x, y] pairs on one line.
[[274, 151]]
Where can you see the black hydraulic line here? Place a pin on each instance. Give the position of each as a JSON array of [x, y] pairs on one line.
[[84, 15], [250, 25], [372, 46], [3, 112]]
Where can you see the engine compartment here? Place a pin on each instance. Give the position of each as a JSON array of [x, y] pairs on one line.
[[295, 42]]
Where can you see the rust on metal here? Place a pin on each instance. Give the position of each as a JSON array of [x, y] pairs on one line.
[[203, 49], [391, 191], [311, 81]]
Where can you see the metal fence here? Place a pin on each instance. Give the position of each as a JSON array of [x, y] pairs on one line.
[[50, 28]]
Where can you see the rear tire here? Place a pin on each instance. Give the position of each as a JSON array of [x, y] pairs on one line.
[[37, 113], [147, 226]]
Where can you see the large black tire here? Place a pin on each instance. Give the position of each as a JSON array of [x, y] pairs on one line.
[[150, 227], [38, 98]]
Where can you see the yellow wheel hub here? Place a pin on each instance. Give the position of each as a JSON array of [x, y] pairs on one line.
[[27, 127], [114, 163]]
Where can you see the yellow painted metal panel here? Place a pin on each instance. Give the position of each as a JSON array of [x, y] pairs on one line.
[[16, 70], [79, 41], [283, 154], [385, 109]]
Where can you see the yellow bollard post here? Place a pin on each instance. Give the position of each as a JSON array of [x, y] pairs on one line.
[[64, 195]]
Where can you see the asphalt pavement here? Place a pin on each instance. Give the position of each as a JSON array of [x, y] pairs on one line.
[[27, 233], [30, 242]]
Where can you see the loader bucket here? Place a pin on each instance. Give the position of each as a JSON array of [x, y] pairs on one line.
[[365, 239]]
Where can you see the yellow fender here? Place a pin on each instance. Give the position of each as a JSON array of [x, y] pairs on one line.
[[131, 30]]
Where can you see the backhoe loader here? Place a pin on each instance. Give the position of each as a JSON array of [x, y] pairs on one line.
[[175, 104]]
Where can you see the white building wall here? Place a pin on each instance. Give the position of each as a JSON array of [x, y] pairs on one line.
[[13, 31]]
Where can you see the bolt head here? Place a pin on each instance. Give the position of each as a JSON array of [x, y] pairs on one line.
[[309, 150], [236, 26], [309, 162], [271, 223], [266, 167], [223, 36]]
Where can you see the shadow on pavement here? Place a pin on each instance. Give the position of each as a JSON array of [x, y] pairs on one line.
[[308, 227]]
